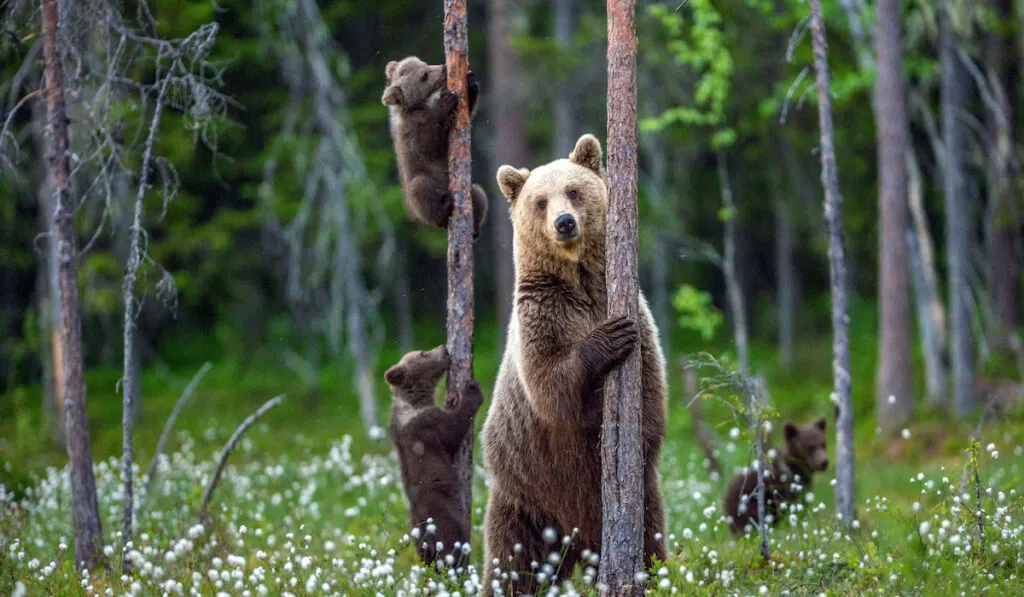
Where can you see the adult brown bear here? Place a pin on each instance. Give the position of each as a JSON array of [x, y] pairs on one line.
[[542, 437]]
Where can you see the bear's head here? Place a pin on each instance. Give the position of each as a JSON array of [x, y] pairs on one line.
[[806, 443], [412, 83], [559, 209], [415, 377]]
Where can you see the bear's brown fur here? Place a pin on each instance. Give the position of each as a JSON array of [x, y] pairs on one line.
[[790, 475], [422, 112], [542, 436], [426, 438]]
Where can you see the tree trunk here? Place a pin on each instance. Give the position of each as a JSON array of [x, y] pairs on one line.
[[622, 474], [785, 274], [561, 11], [460, 238], [84, 507], [509, 118], [732, 283], [837, 273], [894, 391], [955, 95], [701, 431], [931, 315], [1002, 230]]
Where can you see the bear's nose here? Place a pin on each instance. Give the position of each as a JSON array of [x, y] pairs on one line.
[[565, 225], [824, 464]]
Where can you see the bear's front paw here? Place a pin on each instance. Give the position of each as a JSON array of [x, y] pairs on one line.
[[447, 206], [449, 100], [616, 337], [471, 83], [473, 395]]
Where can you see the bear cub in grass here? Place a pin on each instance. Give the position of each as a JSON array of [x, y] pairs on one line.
[[542, 437], [427, 438], [422, 112], [791, 472]]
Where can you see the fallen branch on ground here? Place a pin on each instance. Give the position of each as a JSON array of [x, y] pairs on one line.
[[228, 447], [148, 479]]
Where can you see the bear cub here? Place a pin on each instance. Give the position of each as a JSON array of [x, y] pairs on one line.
[[791, 472], [422, 113], [426, 439]]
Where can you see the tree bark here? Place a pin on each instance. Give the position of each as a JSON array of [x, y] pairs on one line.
[[1002, 230], [931, 314], [509, 118], [837, 274], [561, 11], [954, 97], [84, 507], [460, 238], [894, 391], [732, 282], [622, 474]]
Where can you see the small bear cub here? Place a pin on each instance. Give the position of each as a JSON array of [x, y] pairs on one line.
[[791, 472], [422, 112], [426, 439]]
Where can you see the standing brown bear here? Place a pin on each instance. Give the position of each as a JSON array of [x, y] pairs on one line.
[[422, 112], [542, 437], [427, 439], [791, 472]]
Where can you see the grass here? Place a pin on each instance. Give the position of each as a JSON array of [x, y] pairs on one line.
[[311, 505]]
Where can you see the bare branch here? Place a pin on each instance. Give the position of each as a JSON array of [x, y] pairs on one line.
[[228, 447], [166, 433]]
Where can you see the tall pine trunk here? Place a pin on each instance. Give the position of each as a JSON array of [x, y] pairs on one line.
[[85, 511], [622, 467], [460, 239], [561, 11], [734, 290], [894, 391], [837, 274], [785, 279], [1002, 225], [955, 95], [509, 118]]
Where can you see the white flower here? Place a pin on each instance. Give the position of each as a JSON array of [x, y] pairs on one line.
[[906, 433], [763, 590], [550, 535]]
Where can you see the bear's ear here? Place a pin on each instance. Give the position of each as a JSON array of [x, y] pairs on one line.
[[389, 70], [588, 154], [789, 431], [820, 423], [511, 181], [392, 96], [395, 375]]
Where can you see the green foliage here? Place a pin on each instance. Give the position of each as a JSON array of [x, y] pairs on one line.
[[696, 312]]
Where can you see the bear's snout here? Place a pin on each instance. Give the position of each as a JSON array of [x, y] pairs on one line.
[[566, 227], [824, 464]]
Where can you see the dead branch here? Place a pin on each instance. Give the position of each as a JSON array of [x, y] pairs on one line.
[[166, 433], [228, 447], [701, 431]]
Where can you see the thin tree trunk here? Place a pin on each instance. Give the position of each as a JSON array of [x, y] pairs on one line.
[[1002, 230], [931, 315], [460, 238], [785, 274], [622, 474], [509, 146], [955, 94], [85, 511], [561, 11], [732, 283], [894, 391], [837, 273], [701, 431]]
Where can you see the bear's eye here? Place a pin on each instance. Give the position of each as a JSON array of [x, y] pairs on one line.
[[543, 203], [573, 194], [424, 78]]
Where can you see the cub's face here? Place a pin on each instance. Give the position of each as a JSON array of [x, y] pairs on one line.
[[418, 369], [557, 207], [807, 442], [412, 83]]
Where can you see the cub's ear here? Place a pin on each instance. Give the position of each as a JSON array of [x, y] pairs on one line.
[[392, 96], [588, 154], [389, 70], [511, 181], [789, 430], [820, 423], [395, 375]]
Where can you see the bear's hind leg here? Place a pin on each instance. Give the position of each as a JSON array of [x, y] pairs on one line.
[[514, 537], [654, 518], [429, 202]]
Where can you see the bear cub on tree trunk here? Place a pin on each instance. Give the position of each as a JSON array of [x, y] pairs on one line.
[[427, 438], [791, 471], [422, 113]]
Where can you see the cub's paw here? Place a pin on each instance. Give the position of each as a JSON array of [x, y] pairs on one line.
[[449, 100], [473, 395], [445, 208]]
